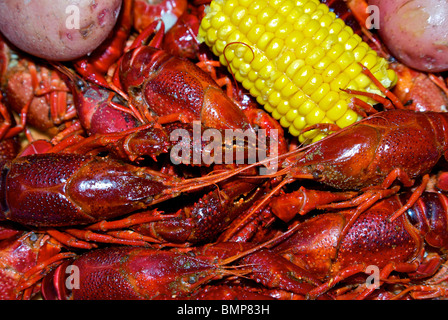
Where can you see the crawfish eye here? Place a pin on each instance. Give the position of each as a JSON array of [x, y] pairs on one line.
[[412, 216], [80, 84], [316, 174], [33, 237]]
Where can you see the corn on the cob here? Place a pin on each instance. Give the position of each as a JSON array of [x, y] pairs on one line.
[[294, 56]]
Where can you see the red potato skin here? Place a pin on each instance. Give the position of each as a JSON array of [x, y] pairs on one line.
[[49, 29], [415, 32]]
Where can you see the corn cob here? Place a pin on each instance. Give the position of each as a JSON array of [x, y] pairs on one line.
[[294, 56]]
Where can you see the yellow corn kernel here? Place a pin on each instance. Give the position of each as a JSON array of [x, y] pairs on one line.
[[255, 33], [283, 107], [284, 122], [331, 72], [302, 21], [311, 28], [294, 39], [337, 110], [297, 99], [322, 64], [393, 76], [294, 67], [320, 92], [299, 123], [228, 8], [329, 100], [340, 82], [297, 58], [256, 6], [284, 7], [315, 56], [312, 84], [369, 60], [308, 136], [275, 22], [253, 75], [315, 116], [362, 81], [259, 61], [336, 26], [288, 90], [280, 83], [264, 40], [265, 15], [347, 119], [319, 136], [267, 70], [345, 59], [336, 50], [274, 98], [353, 70], [246, 24], [284, 60], [293, 131], [274, 48], [224, 32], [294, 14], [306, 107], [268, 107], [283, 31], [291, 115], [320, 35]]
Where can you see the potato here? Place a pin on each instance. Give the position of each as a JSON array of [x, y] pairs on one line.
[[58, 30], [415, 32]]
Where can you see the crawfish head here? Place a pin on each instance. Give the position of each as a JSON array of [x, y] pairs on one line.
[[364, 154]]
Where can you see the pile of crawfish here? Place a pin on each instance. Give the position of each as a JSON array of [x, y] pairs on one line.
[[96, 205]]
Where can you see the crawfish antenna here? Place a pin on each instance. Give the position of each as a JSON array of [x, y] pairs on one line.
[[227, 61], [75, 83]]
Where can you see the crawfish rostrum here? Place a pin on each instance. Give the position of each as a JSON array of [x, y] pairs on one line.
[[95, 207]]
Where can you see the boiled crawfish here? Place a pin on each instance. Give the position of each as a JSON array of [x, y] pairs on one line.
[[79, 189], [407, 244], [145, 273]]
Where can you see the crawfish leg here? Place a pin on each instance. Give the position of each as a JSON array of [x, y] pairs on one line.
[[415, 195], [69, 240], [274, 271], [423, 292], [104, 238], [361, 268], [134, 219]]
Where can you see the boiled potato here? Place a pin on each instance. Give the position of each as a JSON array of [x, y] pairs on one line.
[[58, 30], [416, 32]]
